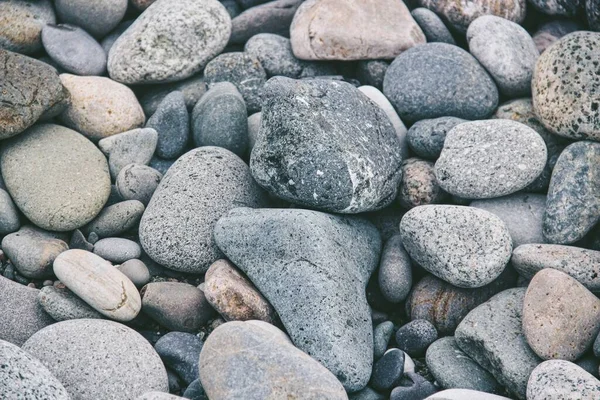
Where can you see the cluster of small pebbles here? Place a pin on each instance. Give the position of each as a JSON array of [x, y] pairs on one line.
[[300, 199]]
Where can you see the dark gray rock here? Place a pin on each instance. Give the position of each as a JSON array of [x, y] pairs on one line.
[[138, 182], [232, 7], [172, 123], [433, 27], [274, 52], [117, 250], [366, 394], [97, 18], [116, 219], [136, 146], [395, 271], [415, 388], [195, 391], [21, 27], [324, 144], [592, 12], [559, 379], [192, 88], [245, 4], [381, 337], [78, 241], [416, 336], [372, 72], [161, 165], [62, 304], [426, 137], [388, 370], [553, 30], [565, 8], [180, 351], [329, 318], [272, 17], [9, 214]]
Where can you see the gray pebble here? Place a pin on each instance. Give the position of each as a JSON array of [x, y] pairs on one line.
[[414, 386], [62, 304], [416, 336], [272, 17], [117, 250], [426, 137], [395, 273], [9, 214], [78, 241], [254, 122], [372, 72], [553, 30], [274, 52], [381, 338], [138, 182], [98, 18], [560, 379], [366, 394], [132, 147], [433, 27], [180, 351], [136, 271], [192, 89], [116, 219], [388, 370], [172, 123]]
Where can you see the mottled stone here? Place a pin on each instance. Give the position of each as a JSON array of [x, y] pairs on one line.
[[180, 351], [116, 219], [381, 337], [275, 55], [272, 17], [433, 27], [138, 182], [388, 371], [192, 89], [21, 24], [172, 123], [416, 336], [553, 30], [98, 18], [372, 72], [419, 185], [61, 304], [395, 271], [426, 137], [132, 147], [560, 379], [564, 8]]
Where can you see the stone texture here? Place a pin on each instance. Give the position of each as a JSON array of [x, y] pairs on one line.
[[381, 337], [415, 336], [272, 17], [21, 24], [132, 147], [98, 18], [61, 304], [565, 8], [553, 30], [388, 371], [116, 219], [433, 27], [172, 123], [138, 182], [117, 250], [395, 271], [192, 89], [372, 72], [9, 214], [180, 351], [419, 185], [274, 52], [426, 137], [560, 379]]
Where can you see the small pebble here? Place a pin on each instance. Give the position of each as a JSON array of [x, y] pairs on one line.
[[172, 123], [136, 271], [416, 336], [132, 147], [381, 337], [117, 250], [138, 182], [388, 370]]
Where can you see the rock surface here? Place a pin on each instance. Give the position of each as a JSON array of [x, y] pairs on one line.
[[433, 27], [116, 219], [132, 147], [22, 23], [61, 304], [98, 18], [172, 123], [419, 185], [181, 352], [426, 137], [395, 271], [272, 17], [559, 379]]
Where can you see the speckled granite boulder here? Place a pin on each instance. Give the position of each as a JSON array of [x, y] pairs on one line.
[[559, 379]]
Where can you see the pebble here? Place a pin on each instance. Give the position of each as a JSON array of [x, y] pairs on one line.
[[345, 158], [426, 137], [99, 284], [220, 119], [272, 17], [452, 368], [78, 241], [388, 370], [98, 18], [9, 214], [381, 338], [439, 80], [136, 271], [353, 30], [167, 44], [329, 318], [433, 27], [132, 147], [265, 364], [138, 182], [117, 250], [161, 165], [96, 358], [117, 218], [395, 271], [74, 50], [176, 229], [176, 306], [56, 177], [561, 318], [32, 250], [372, 72], [192, 89], [558, 7], [171, 121], [507, 52], [366, 394], [180, 351], [560, 379], [464, 394], [274, 52], [21, 27], [415, 388], [553, 30], [464, 246], [61, 304], [419, 185], [100, 107], [254, 122], [416, 336]]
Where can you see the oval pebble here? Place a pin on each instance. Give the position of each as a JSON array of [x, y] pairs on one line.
[[136, 271], [98, 18], [433, 27], [116, 219], [171, 121], [21, 29], [117, 250], [61, 304], [426, 137], [138, 182], [416, 336], [395, 271]]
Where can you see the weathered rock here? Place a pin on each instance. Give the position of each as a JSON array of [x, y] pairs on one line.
[[132, 147], [97, 18], [22, 22], [433, 27], [117, 250], [419, 185], [136, 271], [426, 137], [9, 214], [272, 17], [395, 271], [172, 123], [138, 182], [560, 379], [61, 304], [192, 89], [274, 52], [553, 30], [180, 351], [116, 219]]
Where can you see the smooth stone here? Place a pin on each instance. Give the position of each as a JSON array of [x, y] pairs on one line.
[[561, 318], [136, 271], [366, 394], [28, 89], [419, 186], [176, 306], [254, 122], [32, 250], [433, 27], [220, 119], [97, 18], [22, 376], [138, 182], [116, 219], [553, 30], [492, 158], [452, 368], [507, 52], [569, 68], [426, 137], [99, 284], [195, 391], [395, 271], [96, 358], [522, 213], [388, 370], [61, 304], [261, 363], [117, 250], [353, 30], [464, 246], [234, 296], [20, 312], [167, 43], [464, 394], [345, 158], [272, 17], [415, 388], [9, 214], [439, 80], [112, 37], [192, 89], [78, 241], [330, 318], [74, 50], [564, 8], [180, 351], [172, 123], [372, 72], [21, 27], [176, 229], [492, 335], [136, 146], [416, 336], [274, 52], [56, 177], [460, 15], [381, 338], [100, 107], [560, 379]]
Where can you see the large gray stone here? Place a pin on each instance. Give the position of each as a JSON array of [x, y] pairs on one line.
[[98, 18], [332, 258], [560, 379], [22, 23]]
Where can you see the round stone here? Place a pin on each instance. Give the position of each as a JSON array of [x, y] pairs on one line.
[[172, 123], [419, 185], [138, 182], [98, 18], [62, 304], [388, 370], [433, 27], [116, 219], [136, 271], [22, 22], [136, 146], [426, 137], [395, 271], [372, 72], [117, 250], [275, 55], [272, 17], [416, 336], [192, 89]]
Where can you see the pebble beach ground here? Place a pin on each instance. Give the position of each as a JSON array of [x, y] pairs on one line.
[[299, 199]]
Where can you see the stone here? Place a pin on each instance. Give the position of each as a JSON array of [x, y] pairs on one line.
[[195, 391], [136, 271], [415, 387], [274, 52], [99, 284], [176, 306], [353, 30], [568, 8], [172, 123], [24, 377], [419, 185], [9, 214], [395, 271], [460, 15], [167, 44], [192, 89], [74, 50], [138, 182], [176, 229], [32, 251], [180, 351], [254, 122], [116, 219], [94, 358], [232, 7], [22, 22], [381, 337], [117, 250], [98, 18], [416, 336], [100, 107], [245, 4], [388, 370], [56, 177], [345, 158], [329, 318], [507, 52], [561, 318], [492, 158], [371, 72], [592, 11], [20, 312], [553, 30], [132, 147], [161, 165], [366, 394], [560, 379], [433, 27], [464, 246], [492, 335], [464, 394], [522, 213], [112, 37], [452, 368], [272, 17], [28, 89], [241, 69], [220, 119], [61, 304], [439, 80], [426, 137], [261, 363], [234, 296]]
